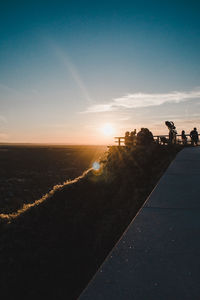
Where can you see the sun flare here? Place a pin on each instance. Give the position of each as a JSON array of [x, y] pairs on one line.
[[107, 129]]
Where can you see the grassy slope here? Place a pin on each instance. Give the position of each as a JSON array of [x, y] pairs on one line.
[[52, 249]]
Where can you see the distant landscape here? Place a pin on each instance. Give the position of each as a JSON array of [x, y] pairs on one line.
[[27, 172]]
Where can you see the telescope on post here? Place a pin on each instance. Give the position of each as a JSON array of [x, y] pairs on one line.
[[172, 132]]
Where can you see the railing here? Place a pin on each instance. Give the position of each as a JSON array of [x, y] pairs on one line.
[[158, 138]]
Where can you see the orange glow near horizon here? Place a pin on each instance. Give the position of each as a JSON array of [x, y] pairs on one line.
[[96, 133]]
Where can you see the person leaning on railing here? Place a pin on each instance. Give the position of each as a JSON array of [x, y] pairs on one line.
[[184, 137]]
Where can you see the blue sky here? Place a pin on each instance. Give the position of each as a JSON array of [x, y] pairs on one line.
[[69, 67]]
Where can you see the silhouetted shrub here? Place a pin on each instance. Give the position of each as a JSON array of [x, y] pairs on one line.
[[144, 137]]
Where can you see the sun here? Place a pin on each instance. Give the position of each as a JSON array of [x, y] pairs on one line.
[[107, 129]]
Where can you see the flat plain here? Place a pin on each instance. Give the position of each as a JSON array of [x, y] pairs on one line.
[[27, 172]]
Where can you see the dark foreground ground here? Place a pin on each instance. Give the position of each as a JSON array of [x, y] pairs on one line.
[[52, 250], [27, 172]]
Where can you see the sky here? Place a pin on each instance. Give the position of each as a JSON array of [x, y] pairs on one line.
[[68, 68]]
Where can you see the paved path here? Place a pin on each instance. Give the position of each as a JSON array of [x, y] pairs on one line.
[[158, 257]]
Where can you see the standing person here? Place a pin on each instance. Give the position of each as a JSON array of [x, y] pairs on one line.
[[133, 137], [184, 137], [134, 132], [194, 137], [127, 138]]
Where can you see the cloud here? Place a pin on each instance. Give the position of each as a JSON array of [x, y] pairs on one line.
[[137, 100]]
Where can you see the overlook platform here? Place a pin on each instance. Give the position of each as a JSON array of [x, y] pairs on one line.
[[158, 257]]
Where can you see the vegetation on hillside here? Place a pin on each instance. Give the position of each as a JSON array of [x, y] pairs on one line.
[[52, 248]]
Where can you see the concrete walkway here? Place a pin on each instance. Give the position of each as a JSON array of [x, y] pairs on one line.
[[158, 257]]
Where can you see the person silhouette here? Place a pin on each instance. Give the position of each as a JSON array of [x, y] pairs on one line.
[[127, 138], [133, 137], [172, 132], [194, 137], [184, 137]]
